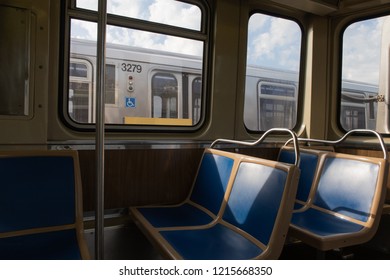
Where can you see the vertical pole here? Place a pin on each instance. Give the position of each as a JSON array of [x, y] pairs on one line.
[[100, 114]]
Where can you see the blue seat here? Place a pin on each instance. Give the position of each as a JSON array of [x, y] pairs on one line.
[[254, 222], [346, 205], [41, 206], [211, 186], [309, 164], [249, 202]]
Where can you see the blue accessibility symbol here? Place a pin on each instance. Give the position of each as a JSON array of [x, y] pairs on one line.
[[130, 102]]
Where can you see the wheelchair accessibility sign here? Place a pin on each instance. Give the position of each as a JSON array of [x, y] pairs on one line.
[[130, 102]]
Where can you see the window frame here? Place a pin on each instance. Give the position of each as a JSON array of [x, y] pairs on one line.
[[366, 88], [296, 18], [203, 35]]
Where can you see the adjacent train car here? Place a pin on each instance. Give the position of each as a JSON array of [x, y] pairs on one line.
[[165, 85], [150, 85]]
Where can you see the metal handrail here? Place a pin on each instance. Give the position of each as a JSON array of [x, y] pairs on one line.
[[346, 135], [100, 131], [261, 139]]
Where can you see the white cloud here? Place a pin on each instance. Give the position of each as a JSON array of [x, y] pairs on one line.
[[274, 42], [361, 51], [134, 9], [162, 11], [87, 4], [143, 39], [81, 29], [175, 13]]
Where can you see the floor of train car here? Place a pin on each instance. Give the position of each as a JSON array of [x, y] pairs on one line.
[[124, 241]]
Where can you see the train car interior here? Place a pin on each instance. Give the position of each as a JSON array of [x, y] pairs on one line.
[[194, 129]]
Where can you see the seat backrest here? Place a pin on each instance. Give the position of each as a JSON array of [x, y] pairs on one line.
[[39, 189], [41, 214], [309, 163], [261, 200], [351, 186], [212, 179]]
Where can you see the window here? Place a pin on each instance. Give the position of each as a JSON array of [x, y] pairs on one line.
[[168, 12], [154, 49], [15, 62], [365, 72], [277, 104], [80, 91], [196, 98], [273, 59], [165, 95]]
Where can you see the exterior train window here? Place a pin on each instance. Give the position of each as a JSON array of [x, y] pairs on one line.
[[196, 98], [80, 91], [277, 104], [154, 64], [80, 99], [272, 72], [364, 92], [165, 94]]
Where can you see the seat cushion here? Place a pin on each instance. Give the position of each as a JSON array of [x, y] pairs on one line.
[[56, 245], [323, 224], [347, 186], [183, 215], [215, 243], [211, 181], [36, 192], [308, 166]]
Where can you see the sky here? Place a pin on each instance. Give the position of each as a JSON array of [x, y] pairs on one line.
[[162, 11], [361, 50], [272, 42]]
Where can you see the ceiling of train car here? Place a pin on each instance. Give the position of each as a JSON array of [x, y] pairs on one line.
[[328, 7]]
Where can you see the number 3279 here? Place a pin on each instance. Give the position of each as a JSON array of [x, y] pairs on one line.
[[131, 67]]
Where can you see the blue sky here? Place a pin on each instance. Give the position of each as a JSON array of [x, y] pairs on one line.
[[361, 50], [163, 11], [273, 42]]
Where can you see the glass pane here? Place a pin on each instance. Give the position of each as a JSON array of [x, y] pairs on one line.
[[110, 84], [168, 12], [165, 92], [14, 57], [365, 71], [196, 99], [133, 57], [273, 59], [79, 95], [87, 4], [78, 70], [154, 41]]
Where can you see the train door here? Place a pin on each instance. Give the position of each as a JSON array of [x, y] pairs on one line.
[[277, 105], [165, 95], [175, 95], [195, 86], [81, 99]]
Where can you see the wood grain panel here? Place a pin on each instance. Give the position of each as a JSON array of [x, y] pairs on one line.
[[135, 177], [140, 176]]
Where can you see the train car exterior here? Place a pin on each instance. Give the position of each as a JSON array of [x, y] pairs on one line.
[[145, 87], [163, 85]]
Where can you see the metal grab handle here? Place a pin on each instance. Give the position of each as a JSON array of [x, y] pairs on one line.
[[261, 139], [335, 142]]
